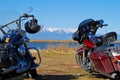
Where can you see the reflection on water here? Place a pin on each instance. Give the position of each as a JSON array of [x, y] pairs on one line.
[[45, 45]]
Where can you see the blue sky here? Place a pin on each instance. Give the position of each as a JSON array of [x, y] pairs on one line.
[[65, 13]]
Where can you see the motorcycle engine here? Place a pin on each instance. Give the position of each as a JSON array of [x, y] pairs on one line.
[[4, 57]]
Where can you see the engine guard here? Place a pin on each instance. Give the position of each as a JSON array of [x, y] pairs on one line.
[[36, 52]]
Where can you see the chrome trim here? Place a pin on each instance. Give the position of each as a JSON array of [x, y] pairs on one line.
[[38, 52]]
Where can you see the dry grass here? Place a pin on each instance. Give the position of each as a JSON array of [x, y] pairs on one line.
[[58, 63]]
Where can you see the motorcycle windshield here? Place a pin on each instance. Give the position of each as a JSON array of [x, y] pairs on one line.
[[84, 23]]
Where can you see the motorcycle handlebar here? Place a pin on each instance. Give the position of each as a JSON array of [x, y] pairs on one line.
[[20, 19], [24, 16], [101, 25]]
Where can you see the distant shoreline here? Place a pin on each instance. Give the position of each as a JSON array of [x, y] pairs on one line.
[[52, 41]]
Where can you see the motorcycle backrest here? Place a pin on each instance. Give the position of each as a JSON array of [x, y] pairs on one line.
[[109, 37]]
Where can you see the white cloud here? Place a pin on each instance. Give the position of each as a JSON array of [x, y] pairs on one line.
[[51, 29]]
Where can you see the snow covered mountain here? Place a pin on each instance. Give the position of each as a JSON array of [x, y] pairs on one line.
[[53, 34]]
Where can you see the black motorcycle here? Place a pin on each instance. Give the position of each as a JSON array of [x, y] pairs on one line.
[[15, 55]]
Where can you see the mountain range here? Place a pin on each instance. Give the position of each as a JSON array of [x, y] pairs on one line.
[[54, 34]]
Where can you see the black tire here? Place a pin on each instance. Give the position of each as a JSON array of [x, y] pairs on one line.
[[79, 60], [33, 73]]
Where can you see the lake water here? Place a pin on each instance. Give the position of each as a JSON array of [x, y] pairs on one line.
[[45, 45]]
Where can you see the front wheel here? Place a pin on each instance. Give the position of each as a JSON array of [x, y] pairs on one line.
[[79, 59], [86, 65], [33, 73]]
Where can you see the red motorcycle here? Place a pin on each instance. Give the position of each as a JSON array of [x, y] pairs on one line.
[[97, 53]]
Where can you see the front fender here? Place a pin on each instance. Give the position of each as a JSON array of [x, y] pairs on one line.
[[79, 51]]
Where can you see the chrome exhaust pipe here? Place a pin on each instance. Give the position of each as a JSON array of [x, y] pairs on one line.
[[115, 76], [7, 70]]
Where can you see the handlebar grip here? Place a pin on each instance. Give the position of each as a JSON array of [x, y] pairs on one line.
[[26, 15], [105, 25], [101, 25]]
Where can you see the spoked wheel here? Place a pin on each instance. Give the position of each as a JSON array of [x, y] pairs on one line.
[[79, 59], [87, 65]]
